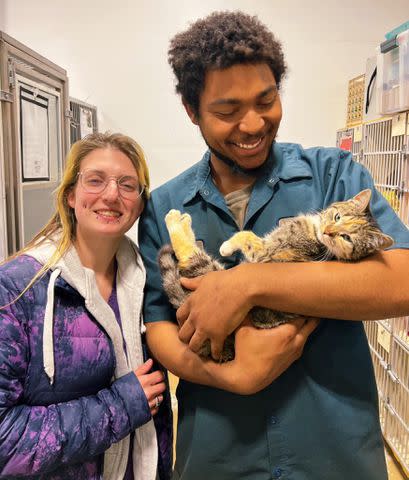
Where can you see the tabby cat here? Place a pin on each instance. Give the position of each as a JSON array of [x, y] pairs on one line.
[[344, 231]]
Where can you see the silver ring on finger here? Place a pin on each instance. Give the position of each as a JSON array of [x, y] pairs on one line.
[[157, 402]]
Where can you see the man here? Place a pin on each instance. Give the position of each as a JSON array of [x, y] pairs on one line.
[[265, 415]]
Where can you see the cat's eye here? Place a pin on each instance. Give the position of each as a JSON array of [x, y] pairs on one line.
[[346, 237], [337, 217]]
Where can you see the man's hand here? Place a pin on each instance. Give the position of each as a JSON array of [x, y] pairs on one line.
[[262, 355], [215, 308]]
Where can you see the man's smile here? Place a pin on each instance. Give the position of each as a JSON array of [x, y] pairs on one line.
[[248, 146]]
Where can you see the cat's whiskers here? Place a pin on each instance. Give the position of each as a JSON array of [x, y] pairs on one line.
[[323, 257]]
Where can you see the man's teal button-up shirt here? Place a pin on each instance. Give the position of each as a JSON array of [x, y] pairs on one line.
[[319, 419]]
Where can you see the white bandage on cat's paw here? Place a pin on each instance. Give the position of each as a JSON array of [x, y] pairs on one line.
[[226, 249]]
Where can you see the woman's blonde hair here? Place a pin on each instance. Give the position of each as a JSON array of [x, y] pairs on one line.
[[63, 221]]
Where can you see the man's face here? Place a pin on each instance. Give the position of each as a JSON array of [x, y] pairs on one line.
[[239, 114]]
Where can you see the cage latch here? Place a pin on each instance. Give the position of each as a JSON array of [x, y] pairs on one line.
[[6, 96]]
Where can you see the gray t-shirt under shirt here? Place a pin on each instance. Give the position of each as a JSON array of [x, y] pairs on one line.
[[237, 202]]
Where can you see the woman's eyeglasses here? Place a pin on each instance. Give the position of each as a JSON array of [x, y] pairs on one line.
[[95, 181]]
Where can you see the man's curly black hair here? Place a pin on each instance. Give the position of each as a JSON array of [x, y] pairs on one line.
[[219, 41]]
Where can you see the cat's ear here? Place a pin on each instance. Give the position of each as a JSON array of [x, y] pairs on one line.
[[362, 199], [383, 241]]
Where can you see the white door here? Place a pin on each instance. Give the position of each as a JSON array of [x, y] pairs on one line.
[[40, 156]]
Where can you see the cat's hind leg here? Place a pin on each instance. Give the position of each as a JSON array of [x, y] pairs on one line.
[[181, 236], [247, 242]]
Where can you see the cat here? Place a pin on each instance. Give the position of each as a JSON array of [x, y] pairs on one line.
[[345, 231]]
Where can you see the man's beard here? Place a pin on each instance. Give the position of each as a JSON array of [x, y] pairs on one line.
[[235, 168]]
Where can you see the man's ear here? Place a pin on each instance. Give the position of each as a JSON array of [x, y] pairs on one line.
[[190, 112]]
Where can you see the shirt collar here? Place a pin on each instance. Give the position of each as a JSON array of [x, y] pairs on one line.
[[202, 174], [288, 163], [284, 163]]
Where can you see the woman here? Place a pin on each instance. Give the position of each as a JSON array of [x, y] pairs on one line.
[[76, 398]]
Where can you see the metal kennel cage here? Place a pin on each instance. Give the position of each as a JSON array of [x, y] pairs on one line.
[[383, 148]]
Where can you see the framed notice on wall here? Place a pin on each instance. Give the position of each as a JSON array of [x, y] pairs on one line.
[[345, 142], [34, 132], [86, 122]]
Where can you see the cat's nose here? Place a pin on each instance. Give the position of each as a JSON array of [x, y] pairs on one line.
[[328, 231]]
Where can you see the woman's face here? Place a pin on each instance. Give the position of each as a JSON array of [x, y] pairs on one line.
[[110, 212]]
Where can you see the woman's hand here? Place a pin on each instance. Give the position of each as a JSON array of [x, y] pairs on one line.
[[152, 384]]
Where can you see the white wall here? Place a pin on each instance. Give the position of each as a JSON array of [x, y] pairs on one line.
[[115, 55]]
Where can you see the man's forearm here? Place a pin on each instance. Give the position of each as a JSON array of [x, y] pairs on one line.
[[176, 357], [374, 288], [261, 355]]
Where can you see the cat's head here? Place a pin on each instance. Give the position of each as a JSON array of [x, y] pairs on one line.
[[349, 231]]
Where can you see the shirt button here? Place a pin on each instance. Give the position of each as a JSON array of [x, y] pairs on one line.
[[273, 420], [277, 472], [205, 191]]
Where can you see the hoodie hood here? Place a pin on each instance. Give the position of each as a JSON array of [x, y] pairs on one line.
[[69, 267]]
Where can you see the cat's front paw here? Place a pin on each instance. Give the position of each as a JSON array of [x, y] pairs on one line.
[[226, 249], [172, 218]]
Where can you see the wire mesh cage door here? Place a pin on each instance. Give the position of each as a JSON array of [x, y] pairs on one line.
[[385, 155]]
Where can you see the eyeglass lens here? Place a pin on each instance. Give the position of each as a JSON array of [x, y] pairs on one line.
[[94, 181]]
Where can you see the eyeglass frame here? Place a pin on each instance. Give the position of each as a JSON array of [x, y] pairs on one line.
[[106, 182]]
